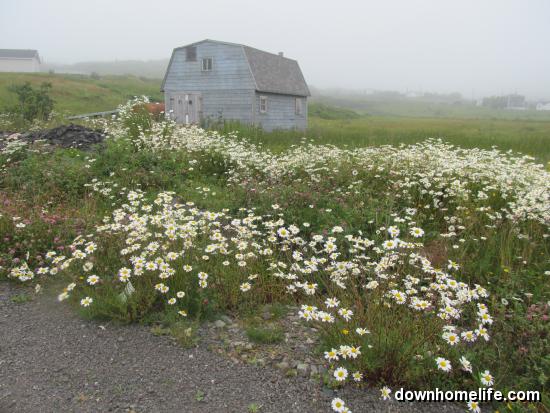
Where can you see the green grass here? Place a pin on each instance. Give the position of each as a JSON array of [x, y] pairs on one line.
[[322, 111], [265, 335], [77, 94], [353, 122], [418, 108], [21, 298], [526, 136]]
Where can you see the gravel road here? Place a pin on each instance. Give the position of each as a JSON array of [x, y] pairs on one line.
[[53, 361]]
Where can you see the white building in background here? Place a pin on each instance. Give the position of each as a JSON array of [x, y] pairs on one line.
[[19, 60], [543, 106]]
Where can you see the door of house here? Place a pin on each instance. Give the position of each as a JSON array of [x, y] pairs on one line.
[[188, 108]]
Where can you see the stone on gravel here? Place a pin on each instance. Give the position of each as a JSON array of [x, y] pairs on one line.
[[283, 365], [219, 324], [226, 319], [302, 369]]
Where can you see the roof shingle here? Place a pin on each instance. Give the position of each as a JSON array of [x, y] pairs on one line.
[[19, 53], [276, 74]]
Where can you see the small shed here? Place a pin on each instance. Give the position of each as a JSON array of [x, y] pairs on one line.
[[212, 81], [19, 60]]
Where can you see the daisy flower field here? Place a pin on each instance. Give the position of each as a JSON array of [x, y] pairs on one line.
[[420, 266]]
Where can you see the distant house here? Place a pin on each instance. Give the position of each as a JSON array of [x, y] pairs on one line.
[[212, 80], [19, 60], [543, 106]]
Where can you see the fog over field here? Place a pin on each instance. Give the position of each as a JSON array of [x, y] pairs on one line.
[[477, 48]]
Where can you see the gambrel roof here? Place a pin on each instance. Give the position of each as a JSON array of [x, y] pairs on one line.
[[18, 54], [272, 73], [276, 74]]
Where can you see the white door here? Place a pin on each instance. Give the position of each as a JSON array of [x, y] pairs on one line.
[[187, 108]]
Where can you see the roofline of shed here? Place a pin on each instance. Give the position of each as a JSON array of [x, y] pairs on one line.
[[283, 94], [247, 61], [167, 69], [35, 55], [234, 44]]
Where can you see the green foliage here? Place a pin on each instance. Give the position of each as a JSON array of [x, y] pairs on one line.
[[78, 94], [529, 137], [138, 121], [265, 335], [324, 111], [59, 174], [185, 333], [502, 102], [254, 407], [199, 395], [449, 107], [21, 298], [32, 103]]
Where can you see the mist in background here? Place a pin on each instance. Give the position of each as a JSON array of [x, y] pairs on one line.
[[477, 48]]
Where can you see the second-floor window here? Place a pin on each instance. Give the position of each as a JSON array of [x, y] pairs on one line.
[[191, 54], [207, 64], [263, 104]]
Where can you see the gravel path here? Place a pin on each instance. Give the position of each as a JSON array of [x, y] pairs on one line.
[[52, 361]]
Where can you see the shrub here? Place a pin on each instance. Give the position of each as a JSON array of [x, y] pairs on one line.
[[331, 112], [33, 104]]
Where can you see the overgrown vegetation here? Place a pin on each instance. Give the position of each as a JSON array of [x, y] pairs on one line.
[[32, 103], [76, 94], [422, 265], [323, 111]]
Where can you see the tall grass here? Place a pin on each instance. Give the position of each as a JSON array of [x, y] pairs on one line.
[[528, 137]]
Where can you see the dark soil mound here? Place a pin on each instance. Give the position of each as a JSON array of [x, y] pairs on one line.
[[67, 136]]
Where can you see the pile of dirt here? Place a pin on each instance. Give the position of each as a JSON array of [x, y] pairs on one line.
[[65, 136]]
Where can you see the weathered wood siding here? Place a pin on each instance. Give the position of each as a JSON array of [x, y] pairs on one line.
[[227, 90], [281, 112]]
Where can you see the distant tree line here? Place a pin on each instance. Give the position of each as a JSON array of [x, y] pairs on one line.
[[503, 102]]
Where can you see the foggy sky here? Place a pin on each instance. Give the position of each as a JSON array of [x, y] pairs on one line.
[[476, 47]]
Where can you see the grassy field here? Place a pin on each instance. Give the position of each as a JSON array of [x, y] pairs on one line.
[[370, 123], [373, 106], [528, 137], [75, 94]]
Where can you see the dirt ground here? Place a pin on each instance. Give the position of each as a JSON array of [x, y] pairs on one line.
[[53, 361]]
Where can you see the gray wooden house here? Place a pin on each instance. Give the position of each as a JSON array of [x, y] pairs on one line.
[[211, 80]]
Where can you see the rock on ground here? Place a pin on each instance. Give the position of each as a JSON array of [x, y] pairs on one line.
[[66, 136]]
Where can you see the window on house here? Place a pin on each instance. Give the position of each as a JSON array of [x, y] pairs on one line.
[[299, 108], [191, 54], [263, 104], [207, 64]]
